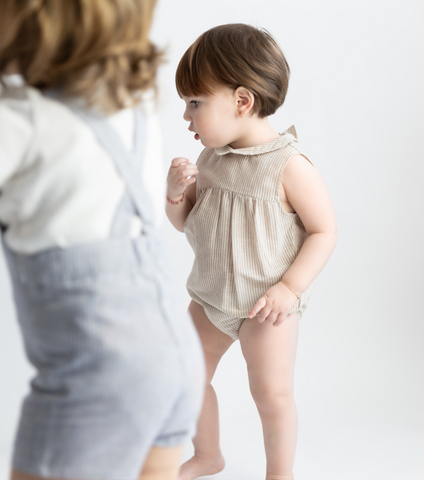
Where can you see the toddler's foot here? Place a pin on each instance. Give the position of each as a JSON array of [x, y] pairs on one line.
[[199, 467]]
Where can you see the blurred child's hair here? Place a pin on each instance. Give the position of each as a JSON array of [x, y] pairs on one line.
[[236, 55], [95, 49]]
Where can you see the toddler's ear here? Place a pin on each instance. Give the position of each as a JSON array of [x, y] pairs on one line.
[[245, 101]]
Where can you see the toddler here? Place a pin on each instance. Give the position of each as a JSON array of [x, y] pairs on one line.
[[261, 225], [119, 367]]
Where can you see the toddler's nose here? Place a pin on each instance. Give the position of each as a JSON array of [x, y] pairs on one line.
[[186, 116]]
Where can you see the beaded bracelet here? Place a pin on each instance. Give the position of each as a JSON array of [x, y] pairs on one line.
[[290, 288], [179, 201]]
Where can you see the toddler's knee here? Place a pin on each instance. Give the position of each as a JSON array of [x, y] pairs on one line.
[[273, 401]]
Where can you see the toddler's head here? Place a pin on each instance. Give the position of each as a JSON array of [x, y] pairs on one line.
[[95, 49], [236, 55]]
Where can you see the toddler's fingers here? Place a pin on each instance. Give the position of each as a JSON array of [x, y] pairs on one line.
[[176, 162], [180, 177], [186, 171], [186, 181], [264, 314], [259, 305], [280, 320], [271, 317]]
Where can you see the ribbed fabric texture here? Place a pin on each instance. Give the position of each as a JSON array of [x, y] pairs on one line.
[[243, 239]]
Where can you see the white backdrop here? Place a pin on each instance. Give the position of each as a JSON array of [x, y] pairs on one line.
[[356, 98]]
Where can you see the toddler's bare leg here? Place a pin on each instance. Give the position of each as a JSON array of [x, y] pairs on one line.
[[23, 476], [270, 354], [207, 459], [161, 464]]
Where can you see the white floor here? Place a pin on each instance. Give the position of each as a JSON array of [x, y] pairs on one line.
[[328, 449], [348, 452], [338, 453]]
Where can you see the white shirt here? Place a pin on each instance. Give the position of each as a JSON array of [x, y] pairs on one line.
[[59, 186]]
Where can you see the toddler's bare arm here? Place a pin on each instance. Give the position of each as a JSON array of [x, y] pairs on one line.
[[178, 182], [305, 191], [308, 195]]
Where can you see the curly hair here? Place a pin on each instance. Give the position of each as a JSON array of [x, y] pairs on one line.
[[95, 49]]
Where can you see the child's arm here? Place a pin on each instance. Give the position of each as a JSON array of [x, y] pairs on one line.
[[307, 194], [178, 183]]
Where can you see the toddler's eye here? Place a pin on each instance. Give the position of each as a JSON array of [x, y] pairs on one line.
[[195, 103]]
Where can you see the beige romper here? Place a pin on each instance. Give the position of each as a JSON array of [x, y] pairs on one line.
[[243, 239]]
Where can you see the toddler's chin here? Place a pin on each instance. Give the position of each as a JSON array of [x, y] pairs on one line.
[[209, 144]]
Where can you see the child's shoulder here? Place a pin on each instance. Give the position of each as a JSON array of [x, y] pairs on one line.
[[205, 155], [14, 95], [21, 104], [288, 140], [16, 130], [15, 113], [291, 148]]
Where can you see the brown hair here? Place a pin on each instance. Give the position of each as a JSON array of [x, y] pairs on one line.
[[97, 49], [236, 55]]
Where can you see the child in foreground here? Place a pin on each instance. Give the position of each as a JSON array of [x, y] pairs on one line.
[[119, 367], [261, 225]]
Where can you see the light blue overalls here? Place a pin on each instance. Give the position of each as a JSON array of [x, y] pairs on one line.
[[119, 364]]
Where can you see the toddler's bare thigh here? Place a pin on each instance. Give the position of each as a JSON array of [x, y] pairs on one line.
[[270, 352], [215, 343]]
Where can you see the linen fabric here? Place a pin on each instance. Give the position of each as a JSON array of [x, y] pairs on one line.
[[243, 239], [59, 185]]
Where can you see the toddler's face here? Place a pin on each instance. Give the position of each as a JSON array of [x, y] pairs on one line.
[[214, 118]]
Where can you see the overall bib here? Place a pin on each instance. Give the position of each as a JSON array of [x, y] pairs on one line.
[[119, 366]]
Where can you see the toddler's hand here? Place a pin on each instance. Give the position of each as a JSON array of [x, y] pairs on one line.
[[274, 305], [178, 177]]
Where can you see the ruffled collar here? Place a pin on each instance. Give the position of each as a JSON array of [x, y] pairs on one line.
[[284, 138]]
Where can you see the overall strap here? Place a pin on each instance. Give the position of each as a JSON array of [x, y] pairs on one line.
[[128, 164]]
